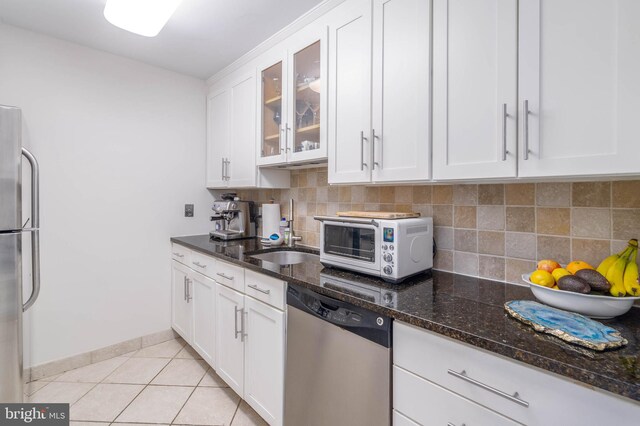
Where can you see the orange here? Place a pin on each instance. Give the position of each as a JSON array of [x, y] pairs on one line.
[[542, 278], [576, 265]]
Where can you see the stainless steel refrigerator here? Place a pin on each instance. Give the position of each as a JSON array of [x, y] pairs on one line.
[[12, 231]]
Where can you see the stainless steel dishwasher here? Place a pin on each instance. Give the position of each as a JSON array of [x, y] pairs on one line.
[[338, 365]]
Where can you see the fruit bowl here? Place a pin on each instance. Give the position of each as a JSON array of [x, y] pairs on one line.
[[591, 305]]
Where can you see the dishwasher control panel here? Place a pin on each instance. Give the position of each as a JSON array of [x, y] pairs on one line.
[[360, 321]]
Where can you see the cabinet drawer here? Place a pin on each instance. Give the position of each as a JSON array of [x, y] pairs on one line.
[[267, 289], [229, 275], [429, 404], [204, 264], [551, 399], [181, 254], [400, 420]]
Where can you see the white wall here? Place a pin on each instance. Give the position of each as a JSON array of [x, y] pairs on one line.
[[121, 147]]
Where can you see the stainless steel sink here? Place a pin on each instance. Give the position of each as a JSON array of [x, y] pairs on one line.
[[287, 257]]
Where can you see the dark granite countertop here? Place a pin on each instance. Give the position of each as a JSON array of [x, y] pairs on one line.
[[467, 309]]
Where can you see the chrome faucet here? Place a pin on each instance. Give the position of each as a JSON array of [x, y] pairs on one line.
[[292, 237]]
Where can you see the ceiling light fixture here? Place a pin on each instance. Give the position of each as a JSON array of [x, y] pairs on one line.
[[143, 17]]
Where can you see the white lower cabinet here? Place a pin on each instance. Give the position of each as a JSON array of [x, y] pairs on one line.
[[411, 391], [193, 309], [440, 381], [230, 337], [181, 312], [203, 292], [250, 342], [401, 420], [264, 360]]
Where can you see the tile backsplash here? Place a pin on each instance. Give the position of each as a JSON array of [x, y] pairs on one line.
[[495, 231]]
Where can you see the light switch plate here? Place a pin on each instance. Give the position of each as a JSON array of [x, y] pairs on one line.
[[188, 210]]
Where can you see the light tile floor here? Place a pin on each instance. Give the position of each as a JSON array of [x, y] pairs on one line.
[[162, 384]]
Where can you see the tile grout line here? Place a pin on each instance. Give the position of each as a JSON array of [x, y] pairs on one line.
[[235, 413], [143, 388]]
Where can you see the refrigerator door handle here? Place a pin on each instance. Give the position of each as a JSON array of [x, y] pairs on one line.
[[35, 223]]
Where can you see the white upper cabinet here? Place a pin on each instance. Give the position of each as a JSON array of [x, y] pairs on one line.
[[231, 136], [241, 162], [292, 106], [401, 133], [379, 57], [350, 93], [217, 137], [579, 68], [474, 89]]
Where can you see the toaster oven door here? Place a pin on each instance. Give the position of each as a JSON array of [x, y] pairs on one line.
[[351, 245]]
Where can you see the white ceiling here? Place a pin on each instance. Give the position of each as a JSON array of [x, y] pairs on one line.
[[201, 38]]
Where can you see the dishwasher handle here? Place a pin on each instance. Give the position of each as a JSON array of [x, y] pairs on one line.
[[355, 319]]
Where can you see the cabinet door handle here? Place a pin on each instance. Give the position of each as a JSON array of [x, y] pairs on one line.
[[286, 137], [451, 424], [228, 163], [255, 287], [362, 139], [199, 264], [235, 320], [513, 398], [220, 274], [373, 147], [184, 288], [222, 169], [505, 115], [188, 290], [178, 254], [525, 129]]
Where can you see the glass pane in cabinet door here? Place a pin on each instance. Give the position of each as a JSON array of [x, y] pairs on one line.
[[307, 98], [271, 110]]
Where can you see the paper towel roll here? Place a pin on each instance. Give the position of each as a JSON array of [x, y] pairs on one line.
[[270, 219]]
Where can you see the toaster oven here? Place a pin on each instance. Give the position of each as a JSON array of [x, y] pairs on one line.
[[392, 249]]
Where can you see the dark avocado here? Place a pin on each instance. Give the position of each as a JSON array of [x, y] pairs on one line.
[[595, 279], [574, 284]]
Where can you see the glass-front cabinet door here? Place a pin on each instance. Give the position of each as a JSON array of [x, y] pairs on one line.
[[273, 116], [307, 62], [306, 94], [293, 101]]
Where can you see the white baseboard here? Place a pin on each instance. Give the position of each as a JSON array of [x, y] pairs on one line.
[[52, 368]]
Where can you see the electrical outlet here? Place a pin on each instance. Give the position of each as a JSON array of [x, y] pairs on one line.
[[188, 210]]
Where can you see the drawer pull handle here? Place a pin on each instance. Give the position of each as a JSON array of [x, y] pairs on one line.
[[451, 424], [178, 254], [255, 287], [199, 264], [513, 398], [220, 274]]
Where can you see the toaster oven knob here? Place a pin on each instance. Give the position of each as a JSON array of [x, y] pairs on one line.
[[388, 270], [388, 257]]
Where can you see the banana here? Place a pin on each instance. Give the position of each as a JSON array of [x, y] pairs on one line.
[[631, 284], [615, 275], [604, 266]]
